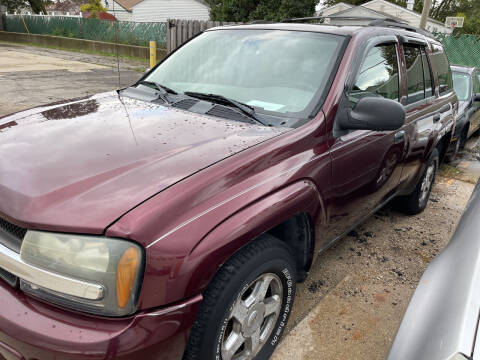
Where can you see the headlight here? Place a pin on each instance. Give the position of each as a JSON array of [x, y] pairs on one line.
[[114, 266]]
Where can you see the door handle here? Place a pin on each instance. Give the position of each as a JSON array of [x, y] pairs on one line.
[[436, 118], [399, 137], [445, 108]]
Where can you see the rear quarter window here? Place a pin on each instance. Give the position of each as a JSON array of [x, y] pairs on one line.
[[441, 67]]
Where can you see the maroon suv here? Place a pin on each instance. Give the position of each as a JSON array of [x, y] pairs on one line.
[[173, 218]]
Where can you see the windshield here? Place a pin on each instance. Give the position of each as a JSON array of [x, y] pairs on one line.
[[462, 85], [276, 71]]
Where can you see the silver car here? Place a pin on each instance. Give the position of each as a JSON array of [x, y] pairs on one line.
[[441, 320]]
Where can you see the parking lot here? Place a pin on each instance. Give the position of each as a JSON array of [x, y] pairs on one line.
[[354, 299]]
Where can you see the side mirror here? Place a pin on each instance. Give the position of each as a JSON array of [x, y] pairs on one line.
[[375, 113], [476, 97]]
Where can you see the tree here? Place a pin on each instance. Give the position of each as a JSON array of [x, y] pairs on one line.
[[471, 24], [249, 10], [37, 6], [93, 7]]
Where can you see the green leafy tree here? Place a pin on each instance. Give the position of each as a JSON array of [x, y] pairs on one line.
[[93, 7], [249, 10], [37, 6], [471, 24]]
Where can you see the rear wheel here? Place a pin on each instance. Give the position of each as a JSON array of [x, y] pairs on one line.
[[451, 155], [417, 201], [463, 137], [246, 306]]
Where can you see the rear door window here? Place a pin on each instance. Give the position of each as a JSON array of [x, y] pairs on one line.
[[378, 75], [415, 81], [442, 68], [427, 75]]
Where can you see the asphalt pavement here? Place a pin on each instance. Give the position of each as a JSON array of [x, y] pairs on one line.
[[31, 76]]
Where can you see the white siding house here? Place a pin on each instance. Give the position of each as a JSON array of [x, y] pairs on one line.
[[341, 6], [396, 11], [157, 10]]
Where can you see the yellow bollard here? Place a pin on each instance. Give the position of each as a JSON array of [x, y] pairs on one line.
[[153, 54]]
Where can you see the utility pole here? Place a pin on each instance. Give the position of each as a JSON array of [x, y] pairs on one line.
[[426, 9]]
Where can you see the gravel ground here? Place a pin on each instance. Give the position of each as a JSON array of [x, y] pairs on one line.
[[354, 299]]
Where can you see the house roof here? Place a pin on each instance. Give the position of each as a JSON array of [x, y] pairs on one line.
[[404, 9], [65, 6], [333, 6], [384, 14], [129, 4], [374, 12]]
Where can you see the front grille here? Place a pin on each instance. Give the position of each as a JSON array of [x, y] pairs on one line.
[[12, 229], [8, 277], [11, 235]]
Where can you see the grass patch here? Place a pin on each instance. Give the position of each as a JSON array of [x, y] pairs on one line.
[[89, 52], [449, 171], [452, 172]]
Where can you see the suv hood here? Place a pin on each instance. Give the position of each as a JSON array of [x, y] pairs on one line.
[[80, 165]]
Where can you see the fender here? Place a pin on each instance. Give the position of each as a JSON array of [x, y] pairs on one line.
[[243, 227]]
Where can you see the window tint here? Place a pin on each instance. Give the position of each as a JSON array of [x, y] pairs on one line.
[[427, 75], [378, 75], [462, 85], [415, 84], [442, 68]]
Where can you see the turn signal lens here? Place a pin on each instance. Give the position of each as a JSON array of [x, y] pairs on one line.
[[126, 273]]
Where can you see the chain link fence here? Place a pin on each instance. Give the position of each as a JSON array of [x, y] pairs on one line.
[[461, 49], [123, 32]]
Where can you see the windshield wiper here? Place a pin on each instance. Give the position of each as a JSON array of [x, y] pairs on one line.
[[164, 90], [220, 99]]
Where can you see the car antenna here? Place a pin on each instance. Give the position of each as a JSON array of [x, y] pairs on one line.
[[116, 42]]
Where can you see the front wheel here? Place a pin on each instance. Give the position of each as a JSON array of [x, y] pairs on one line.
[[246, 306], [416, 202]]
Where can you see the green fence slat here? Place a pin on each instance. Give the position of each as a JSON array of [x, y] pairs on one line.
[[126, 32]]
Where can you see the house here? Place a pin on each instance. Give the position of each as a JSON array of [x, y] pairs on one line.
[[383, 8], [64, 8], [358, 11], [157, 10]]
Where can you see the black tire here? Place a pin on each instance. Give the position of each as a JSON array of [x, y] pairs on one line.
[[417, 201], [452, 154], [463, 137], [265, 258]]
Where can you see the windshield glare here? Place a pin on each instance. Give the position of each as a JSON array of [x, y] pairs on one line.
[[462, 85], [272, 70]]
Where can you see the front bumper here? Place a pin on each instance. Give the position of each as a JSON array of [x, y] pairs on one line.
[[33, 330]]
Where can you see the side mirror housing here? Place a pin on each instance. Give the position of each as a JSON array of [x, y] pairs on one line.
[[375, 113], [476, 97]]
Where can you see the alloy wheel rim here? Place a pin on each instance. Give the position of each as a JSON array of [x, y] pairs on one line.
[[427, 182], [252, 318]]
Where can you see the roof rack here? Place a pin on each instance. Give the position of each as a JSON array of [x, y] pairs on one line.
[[322, 18], [374, 21], [387, 22], [262, 22]]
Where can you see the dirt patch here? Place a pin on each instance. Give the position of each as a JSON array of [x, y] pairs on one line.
[[354, 299]]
